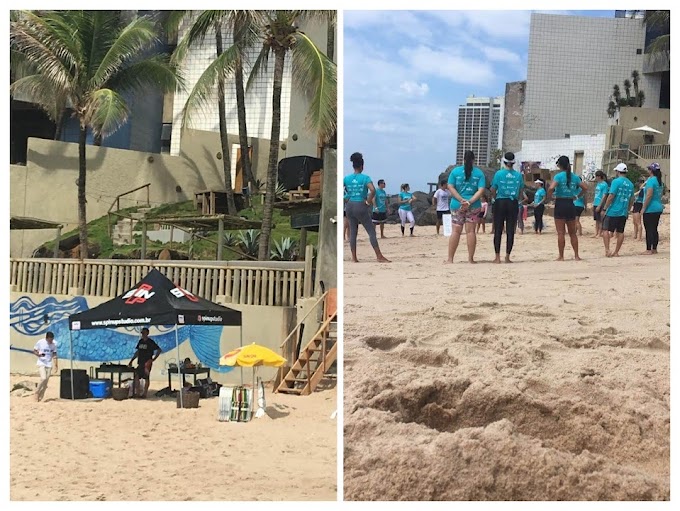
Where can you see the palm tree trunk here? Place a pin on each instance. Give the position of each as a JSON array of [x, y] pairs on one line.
[[330, 41], [98, 140], [224, 138], [59, 126], [265, 237], [82, 201], [242, 125]]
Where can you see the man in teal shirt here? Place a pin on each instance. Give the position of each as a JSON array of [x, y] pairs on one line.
[[618, 204], [601, 190], [380, 207], [506, 186]]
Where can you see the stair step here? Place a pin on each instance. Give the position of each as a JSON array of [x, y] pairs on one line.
[[286, 390]]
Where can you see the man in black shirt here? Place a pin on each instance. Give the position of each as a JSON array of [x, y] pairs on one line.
[[146, 353]]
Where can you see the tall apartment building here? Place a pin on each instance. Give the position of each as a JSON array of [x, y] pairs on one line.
[[480, 127]]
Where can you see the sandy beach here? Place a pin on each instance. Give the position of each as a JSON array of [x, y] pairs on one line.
[[147, 449], [535, 380]]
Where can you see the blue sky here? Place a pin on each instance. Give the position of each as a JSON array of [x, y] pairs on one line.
[[406, 73]]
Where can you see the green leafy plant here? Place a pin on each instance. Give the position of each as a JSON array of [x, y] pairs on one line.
[[285, 250], [249, 242], [230, 239], [280, 192]]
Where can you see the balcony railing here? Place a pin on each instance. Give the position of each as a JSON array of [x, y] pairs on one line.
[[241, 282], [655, 152]]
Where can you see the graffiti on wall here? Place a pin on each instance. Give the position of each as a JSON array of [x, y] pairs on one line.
[[107, 345]]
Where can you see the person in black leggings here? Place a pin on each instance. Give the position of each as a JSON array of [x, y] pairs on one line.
[[360, 192], [506, 187], [652, 208], [539, 206]]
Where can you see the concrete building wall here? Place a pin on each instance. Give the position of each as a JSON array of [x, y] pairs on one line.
[[574, 62], [327, 256], [46, 186], [513, 116], [547, 151], [657, 118], [269, 333]]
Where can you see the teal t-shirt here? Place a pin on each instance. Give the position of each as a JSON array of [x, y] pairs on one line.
[[562, 191], [508, 184], [654, 205], [640, 195], [466, 188], [622, 189], [357, 187], [539, 196], [405, 196], [580, 202], [601, 190], [380, 201]]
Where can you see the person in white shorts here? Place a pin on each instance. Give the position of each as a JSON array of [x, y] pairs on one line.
[[441, 199], [46, 351]]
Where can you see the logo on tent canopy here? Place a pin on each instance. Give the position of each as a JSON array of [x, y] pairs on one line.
[[138, 295], [183, 293]]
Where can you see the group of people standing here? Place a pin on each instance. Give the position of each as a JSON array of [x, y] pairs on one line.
[[461, 197]]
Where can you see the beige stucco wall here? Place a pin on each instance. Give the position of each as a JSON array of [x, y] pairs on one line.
[[266, 326], [46, 187], [631, 117]]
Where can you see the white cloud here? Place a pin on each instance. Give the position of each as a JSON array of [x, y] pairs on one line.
[[414, 88], [501, 55], [390, 23], [447, 64], [497, 24], [382, 127]]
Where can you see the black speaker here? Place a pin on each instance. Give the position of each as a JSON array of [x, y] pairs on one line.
[[81, 384], [297, 171]]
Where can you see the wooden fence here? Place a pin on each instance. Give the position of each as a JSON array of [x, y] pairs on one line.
[[241, 282]]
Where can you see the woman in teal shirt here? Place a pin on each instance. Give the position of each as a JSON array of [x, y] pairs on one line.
[[652, 207], [466, 184], [566, 187], [360, 191], [405, 210], [539, 207], [601, 189], [637, 209]]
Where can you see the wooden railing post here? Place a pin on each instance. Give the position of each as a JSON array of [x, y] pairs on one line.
[[309, 267]]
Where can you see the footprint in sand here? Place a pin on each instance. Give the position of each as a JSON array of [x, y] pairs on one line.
[[470, 317], [383, 343]]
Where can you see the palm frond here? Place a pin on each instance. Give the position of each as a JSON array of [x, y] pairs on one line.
[[138, 36], [204, 89], [657, 18], [153, 72], [316, 75], [37, 89], [47, 55], [173, 20], [260, 66], [660, 44], [105, 111], [204, 24]]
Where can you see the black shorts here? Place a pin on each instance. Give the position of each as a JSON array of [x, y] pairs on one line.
[[615, 223], [440, 214], [597, 215], [565, 209], [637, 207], [142, 370], [344, 213], [379, 218], [578, 210]]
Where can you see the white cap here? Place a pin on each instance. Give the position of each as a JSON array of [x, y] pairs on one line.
[[621, 167], [538, 181]]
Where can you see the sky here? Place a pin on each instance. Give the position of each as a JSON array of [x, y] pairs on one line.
[[407, 72]]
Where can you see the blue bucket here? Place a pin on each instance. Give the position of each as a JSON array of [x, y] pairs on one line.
[[100, 388]]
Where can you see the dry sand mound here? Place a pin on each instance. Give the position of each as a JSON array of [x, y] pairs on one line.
[[532, 381]]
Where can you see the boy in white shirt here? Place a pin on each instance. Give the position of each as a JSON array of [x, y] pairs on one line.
[[46, 351]]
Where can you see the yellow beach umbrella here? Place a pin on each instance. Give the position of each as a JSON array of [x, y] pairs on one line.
[[251, 356]]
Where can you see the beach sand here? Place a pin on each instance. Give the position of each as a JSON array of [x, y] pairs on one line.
[[148, 449], [536, 380]]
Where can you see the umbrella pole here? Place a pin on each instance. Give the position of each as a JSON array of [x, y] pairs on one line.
[[70, 337], [179, 370], [241, 345]]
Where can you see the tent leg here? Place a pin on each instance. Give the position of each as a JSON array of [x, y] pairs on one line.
[[241, 346], [70, 336], [179, 370]]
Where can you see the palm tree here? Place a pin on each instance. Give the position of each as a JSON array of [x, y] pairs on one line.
[[91, 59], [626, 88], [226, 61], [313, 73]]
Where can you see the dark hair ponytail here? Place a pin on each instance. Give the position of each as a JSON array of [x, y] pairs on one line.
[[563, 163], [657, 175], [357, 160], [468, 158]]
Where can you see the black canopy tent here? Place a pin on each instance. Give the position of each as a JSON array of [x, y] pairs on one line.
[[154, 300]]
